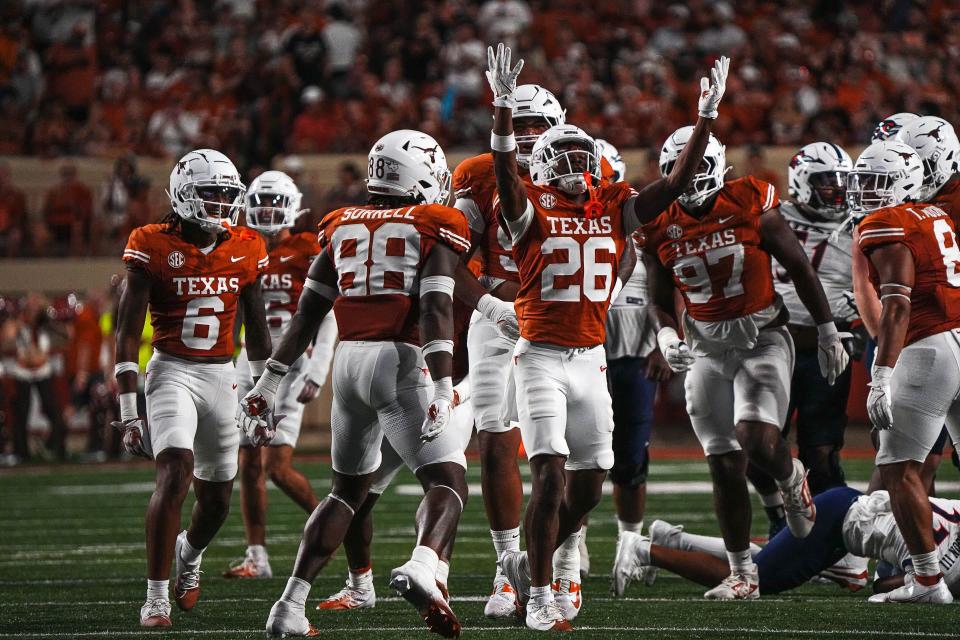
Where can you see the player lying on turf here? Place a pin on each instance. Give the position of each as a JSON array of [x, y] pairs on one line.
[[847, 522]]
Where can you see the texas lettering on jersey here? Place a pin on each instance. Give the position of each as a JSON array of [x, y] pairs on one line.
[[568, 265], [194, 296], [717, 261], [378, 254], [931, 236], [283, 279]]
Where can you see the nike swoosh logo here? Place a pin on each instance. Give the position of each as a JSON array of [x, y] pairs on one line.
[[286, 258], [725, 220], [236, 259]]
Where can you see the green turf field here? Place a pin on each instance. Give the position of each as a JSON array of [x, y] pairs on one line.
[[71, 566]]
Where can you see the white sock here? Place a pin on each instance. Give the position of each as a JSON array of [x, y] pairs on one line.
[[740, 561], [257, 552], [443, 572], [566, 559], [926, 564], [541, 595], [427, 556], [189, 554], [296, 591], [506, 540], [158, 590], [707, 544], [795, 477], [362, 579], [633, 527]]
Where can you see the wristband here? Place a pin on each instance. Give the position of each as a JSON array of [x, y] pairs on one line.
[[257, 367], [128, 406], [880, 375], [437, 345], [505, 102], [436, 284], [269, 381], [827, 332], [710, 115], [123, 367], [443, 388], [502, 144], [667, 337], [321, 289], [277, 367]]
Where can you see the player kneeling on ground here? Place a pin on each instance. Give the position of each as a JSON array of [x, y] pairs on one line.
[[387, 271], [193, 270]]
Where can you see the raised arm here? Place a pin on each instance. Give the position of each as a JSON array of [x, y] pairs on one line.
[[503, 82], [657, 196], [778, 239], [131, 315]]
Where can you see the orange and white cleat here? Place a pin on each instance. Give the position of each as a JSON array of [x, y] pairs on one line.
[[546, 617], [568, 595], [352, 596], [288, 619], [737, 586], [502, 603], [417, 584], [186, 589], [251, 566], [155, 613]]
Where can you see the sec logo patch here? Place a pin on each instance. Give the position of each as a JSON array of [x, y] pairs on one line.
[[674, 231], [548, 200], [175, 259]]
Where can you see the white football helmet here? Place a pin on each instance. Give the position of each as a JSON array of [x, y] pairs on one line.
[[709, 177], [609, 152], [817, 179], [889, 126], [886, 174], [561, 156], [409, 164], [273, 202], [205, 188], [533, 101], [936, 143]]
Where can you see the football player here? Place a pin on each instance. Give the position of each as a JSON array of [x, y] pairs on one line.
[[714, 246], [848, 522], [272, 208], [569, 230], [387, 271], [490, 350], [193, 270], [913, 256]]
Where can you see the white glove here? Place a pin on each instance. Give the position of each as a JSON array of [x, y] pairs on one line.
[[255, 413], [134, 436], [675, 351], [711, 91], [502, 79], [831, 355], [878, 402], [438, 413], [501, 313]]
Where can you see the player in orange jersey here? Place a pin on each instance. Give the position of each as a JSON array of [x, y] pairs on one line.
[[387, 271], [714, 246], [914, 257], [569, 230], [193, 271], [272, 208]]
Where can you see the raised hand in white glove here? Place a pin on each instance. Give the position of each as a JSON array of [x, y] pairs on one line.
[[831, 355], [438, 413], [711, 91], [502, 79], [501, 313], [675, 351], [255, 412], [879, 408]]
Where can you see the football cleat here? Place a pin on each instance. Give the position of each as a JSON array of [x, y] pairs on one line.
[[850, 573], [417, 584], [287, 619], [631, 561], [155, 613], [737, 586], [350, 597], [251, 566], [502, 603], [798, 505], [516, 567], [546, 617], [913, 591], [584, 558], [568, 596], [186, 589]]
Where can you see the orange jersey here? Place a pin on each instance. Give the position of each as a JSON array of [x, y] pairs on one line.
[[930, 234], [568, 266], [378, 254], [193, 297], [717, 262], [284, 277], [948, 199], [474, 179]]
